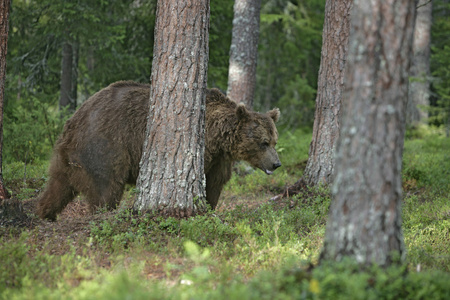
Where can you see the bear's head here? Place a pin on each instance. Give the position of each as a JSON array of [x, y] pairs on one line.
[[256, 138]]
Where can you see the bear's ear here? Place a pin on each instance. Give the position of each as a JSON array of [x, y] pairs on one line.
[[242, 112], [274, 114]]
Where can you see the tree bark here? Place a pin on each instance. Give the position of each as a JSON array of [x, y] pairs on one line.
[[67, 98], [74, 85], [171, 179], [11, 210], [419, 85], [336, 30], [365, 214], [4, 27], [244, 51]]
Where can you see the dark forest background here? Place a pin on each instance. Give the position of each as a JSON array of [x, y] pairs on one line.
[[113, 40]]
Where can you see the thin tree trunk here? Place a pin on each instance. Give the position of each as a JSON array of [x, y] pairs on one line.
[[4, 27], [336, 30], [244, 51], [66, 97], [320, 165], [419, 85], [10, 209], [171, 179], [74, 85], [365, 213]]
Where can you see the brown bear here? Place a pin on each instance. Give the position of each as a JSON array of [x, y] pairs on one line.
[[101, 145]]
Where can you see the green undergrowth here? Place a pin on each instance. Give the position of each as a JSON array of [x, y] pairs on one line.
[[426, 162], [291, 279], [252, 248], [247, 237], [426, 209]]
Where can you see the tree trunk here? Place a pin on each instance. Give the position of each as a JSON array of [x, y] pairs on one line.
[[244, 51], [171, 179], [4, 27], [66, 93], [365, 213], [419, 85], [336, 30], [74, 85]]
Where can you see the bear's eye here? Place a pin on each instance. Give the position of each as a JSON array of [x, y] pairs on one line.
[[265, 144]]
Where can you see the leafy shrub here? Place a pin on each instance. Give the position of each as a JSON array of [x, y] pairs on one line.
[[30, 131], [345, 280]]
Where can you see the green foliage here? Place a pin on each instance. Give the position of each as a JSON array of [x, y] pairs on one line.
[[221, 17], [426, 226], [288, 59], [440, 60], [25, 180], [19, 269], [208, 230], [31, 129], [115, 41], [290, 280], [426, 163], [297, 104], [246, 252], [346, 281]]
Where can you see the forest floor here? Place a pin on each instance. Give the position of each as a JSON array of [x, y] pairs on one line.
[[74, 224], [245, 246]]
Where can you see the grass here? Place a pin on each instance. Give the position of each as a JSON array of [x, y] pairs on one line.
[[250, 248]]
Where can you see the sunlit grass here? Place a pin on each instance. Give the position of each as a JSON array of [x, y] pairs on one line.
[[250, 248]]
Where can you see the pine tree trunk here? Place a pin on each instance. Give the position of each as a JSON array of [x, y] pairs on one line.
[[66, 92], [4, 26], [336, 30], [11, 210], [171, 179], [74, 84], [244, 51], [365, 213], [419, 85]]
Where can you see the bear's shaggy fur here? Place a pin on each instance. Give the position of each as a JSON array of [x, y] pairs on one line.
[[101, 146]]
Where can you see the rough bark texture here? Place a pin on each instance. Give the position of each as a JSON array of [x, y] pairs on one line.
[[171, 179], [365, 214], [419, 85], [244, 51], [67, 99], [336, 30], [4, 18]]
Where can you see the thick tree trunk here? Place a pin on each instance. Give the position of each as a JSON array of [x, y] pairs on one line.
[[336, 30], [4, 27], [244, 51], [171, 179], [365, 214], [419, 85]]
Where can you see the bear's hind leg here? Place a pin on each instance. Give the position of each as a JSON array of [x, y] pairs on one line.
[[58, 193], [107, 193]]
